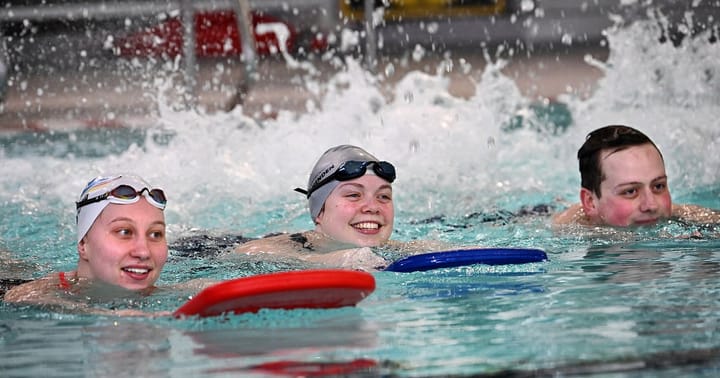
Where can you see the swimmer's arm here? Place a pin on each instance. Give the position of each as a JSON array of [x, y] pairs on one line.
[[194, 285], [43, 292], [362, 258], [415, 247], [696, 214]]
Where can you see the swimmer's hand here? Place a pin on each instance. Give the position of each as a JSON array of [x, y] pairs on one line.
[[195, 284], [134, 312], [362, 258]]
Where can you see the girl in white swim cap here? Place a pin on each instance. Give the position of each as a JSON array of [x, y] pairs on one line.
[[121, 241]]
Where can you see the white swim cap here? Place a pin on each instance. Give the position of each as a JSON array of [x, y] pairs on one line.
[[95, 197]]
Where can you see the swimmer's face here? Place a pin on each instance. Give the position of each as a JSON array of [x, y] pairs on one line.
[[634, 191], [359, 212], [126, 246]]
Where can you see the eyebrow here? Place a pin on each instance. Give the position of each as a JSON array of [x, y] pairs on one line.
[[636, 183], [126, 219], [121, 219]]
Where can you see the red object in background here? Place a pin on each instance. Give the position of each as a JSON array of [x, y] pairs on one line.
[[317, 369], [216, 35]]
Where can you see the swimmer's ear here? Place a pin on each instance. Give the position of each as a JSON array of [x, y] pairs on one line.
[[587, 199], [320, 214], [81, 249]]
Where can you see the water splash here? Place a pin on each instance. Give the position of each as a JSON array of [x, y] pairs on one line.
[[668, 92], [454, 155]]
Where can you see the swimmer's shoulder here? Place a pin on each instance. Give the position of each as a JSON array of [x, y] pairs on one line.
[[572, 215], [282, 243], [35, 291]]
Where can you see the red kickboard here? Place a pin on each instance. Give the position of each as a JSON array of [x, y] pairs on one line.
[[317, 289]]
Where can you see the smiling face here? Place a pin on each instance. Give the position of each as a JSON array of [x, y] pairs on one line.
[[126, 246], [633, 191], [359, 212]]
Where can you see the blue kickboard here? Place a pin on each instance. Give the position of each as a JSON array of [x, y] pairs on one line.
[[449, 259]]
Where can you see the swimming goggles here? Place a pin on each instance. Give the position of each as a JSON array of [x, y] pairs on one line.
[[126, 194], [353, 169]]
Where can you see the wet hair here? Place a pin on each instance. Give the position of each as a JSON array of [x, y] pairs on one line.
[[612, 137]]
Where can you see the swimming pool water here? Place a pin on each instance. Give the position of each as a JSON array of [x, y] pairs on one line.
[[616, 304]]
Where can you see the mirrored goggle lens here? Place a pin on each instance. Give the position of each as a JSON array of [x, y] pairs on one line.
[[128, 193], [124, 192], [158, 196]]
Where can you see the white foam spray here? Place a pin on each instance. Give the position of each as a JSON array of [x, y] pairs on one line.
[[453, 154]]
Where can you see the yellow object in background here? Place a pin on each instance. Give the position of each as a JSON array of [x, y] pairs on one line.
[[397, 10]]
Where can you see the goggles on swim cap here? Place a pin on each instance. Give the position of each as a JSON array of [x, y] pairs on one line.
[[126, 194], [119, 189], [353, 169]]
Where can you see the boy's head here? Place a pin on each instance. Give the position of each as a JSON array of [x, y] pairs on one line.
[[611, 138], [623, 178]]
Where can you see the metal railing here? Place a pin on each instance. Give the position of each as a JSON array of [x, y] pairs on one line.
[[115, 9]]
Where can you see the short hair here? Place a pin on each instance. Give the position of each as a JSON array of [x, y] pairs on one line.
[[615, 137]]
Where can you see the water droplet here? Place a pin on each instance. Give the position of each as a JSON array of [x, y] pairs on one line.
[[566, 39], [414, 144], [418, 53], [389, 70], [408, 97], [527, 5]]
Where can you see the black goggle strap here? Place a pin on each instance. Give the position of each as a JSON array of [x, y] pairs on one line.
[[341, 174], [88, 201]]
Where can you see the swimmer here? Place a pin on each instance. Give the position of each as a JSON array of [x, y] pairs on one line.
[[121, 242], [624, 184], [350, 199]]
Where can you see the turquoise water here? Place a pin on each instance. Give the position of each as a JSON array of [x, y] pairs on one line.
[[641, 303]]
